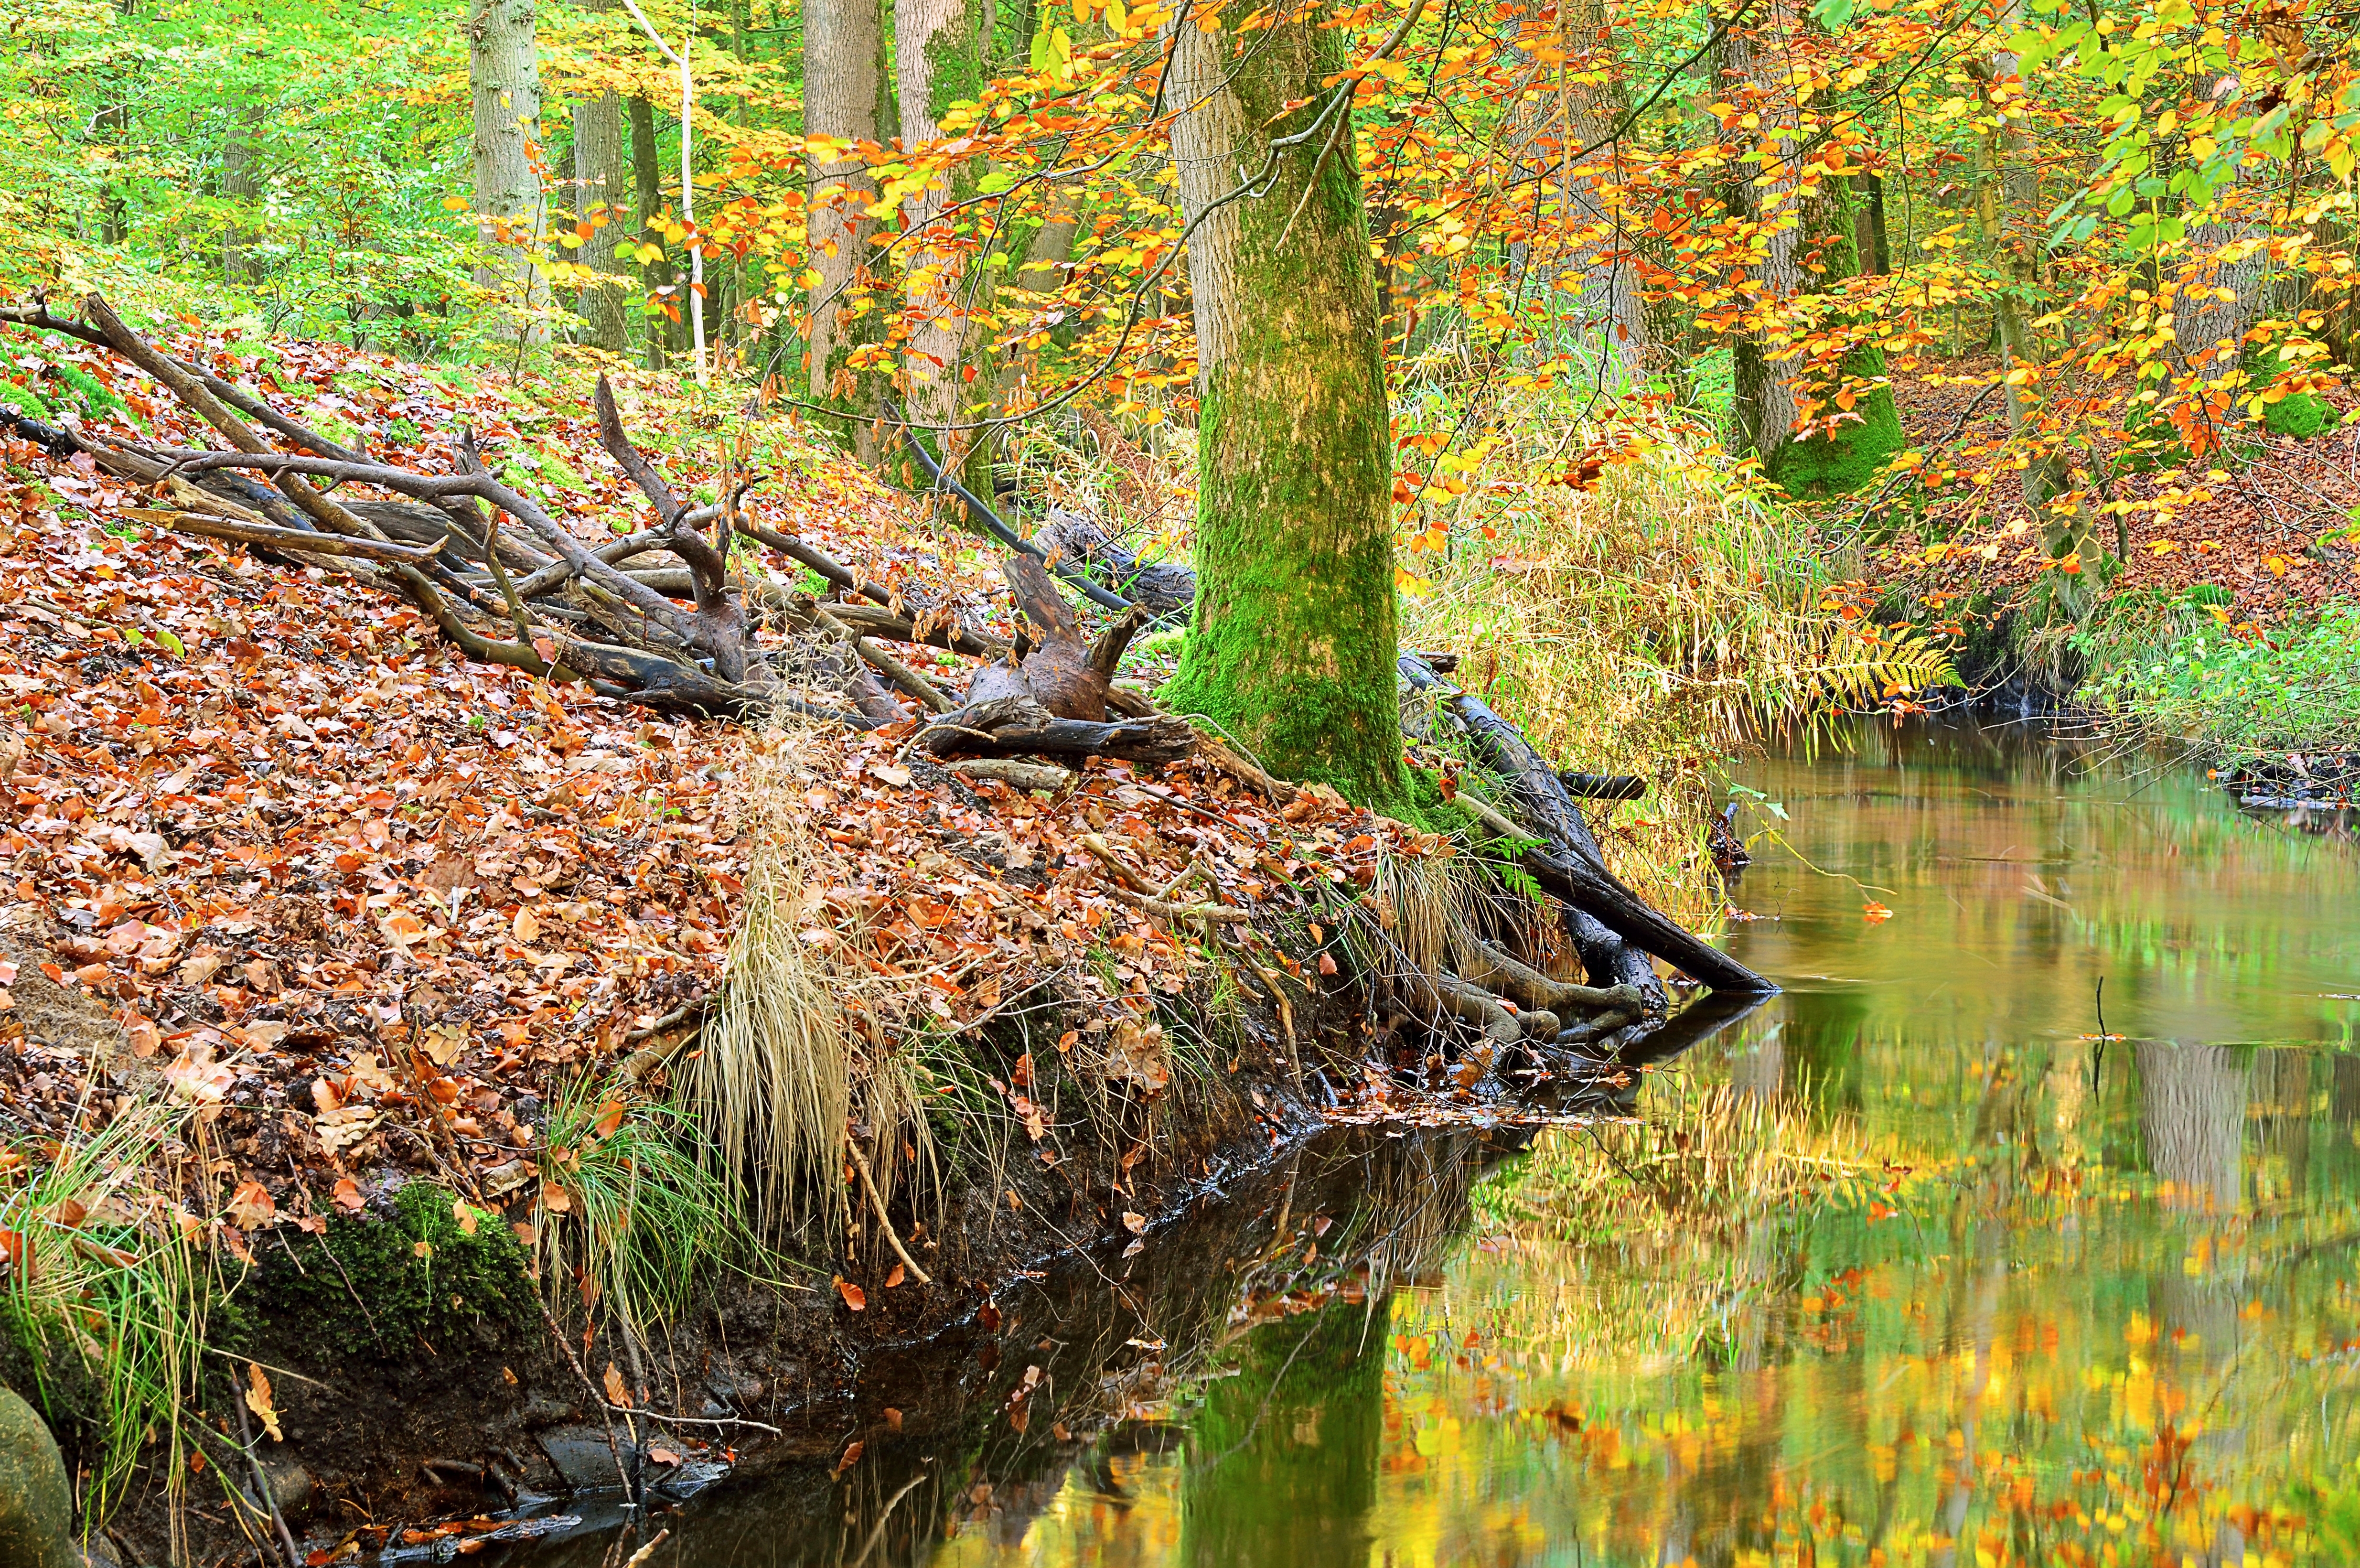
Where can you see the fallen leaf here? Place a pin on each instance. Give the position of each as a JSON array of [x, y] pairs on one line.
[[662, 1455], [347, 1195], [894, 1278], [527, 927], [1876, 914], [1135, 1223], [257, 1399], [851, 1457], [853, 1296], [899, 778], [617, 1393], [251, 1204]]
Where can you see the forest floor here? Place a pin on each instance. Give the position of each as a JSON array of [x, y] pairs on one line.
[[372, 921], [2248, 520]]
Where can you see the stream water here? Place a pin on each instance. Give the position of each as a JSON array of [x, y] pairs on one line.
[[2028, 1295]]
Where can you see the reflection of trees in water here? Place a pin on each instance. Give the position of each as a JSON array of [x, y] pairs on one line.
[[2192, 1110], [1283, 1456], [958, 1463]]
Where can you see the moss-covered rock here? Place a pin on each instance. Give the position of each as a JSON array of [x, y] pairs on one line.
[[382, 1283], [2301, 415], [35, 1503]]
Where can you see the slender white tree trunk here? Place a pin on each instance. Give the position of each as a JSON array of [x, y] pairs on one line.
[[504, 67]]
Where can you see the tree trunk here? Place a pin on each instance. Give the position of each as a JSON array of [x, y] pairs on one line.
[[113, 122], [598, 201], [938, 54], [843, 83], [504, 67], [647, 179], [1587, 256], [240, 185], [1766, 405], [1293, 646]]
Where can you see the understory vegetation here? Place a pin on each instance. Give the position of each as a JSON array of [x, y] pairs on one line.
[[429, 920]]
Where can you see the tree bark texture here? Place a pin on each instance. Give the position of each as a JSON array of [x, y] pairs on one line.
[[1293, 641], [844, 84], [242, 185], [599, 201], [504, 67], [1766, 192], [939, 60], [646, 186]]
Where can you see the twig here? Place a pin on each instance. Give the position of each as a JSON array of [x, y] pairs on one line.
[[637, 1558], [884, 1222], [691, 1420], [262, 1482]]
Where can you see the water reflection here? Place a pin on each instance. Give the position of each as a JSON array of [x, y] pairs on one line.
[[2053, 1298]]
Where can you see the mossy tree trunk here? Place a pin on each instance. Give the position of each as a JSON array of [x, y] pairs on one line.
[[1294, 639], [647, 184]]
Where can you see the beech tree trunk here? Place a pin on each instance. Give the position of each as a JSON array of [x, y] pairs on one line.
[[242, 185], [647, 184], [504, 67], [599, 201], [843, 86], [1581, 249], [1293, 644], [939, 55], [1766, 406]]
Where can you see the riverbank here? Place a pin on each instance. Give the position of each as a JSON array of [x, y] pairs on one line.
[[382, 1139]]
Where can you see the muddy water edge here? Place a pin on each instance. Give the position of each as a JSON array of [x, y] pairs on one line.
[[2068, 1298]]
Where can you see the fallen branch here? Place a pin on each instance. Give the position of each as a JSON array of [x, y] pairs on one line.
[[265, 534], [884, 1221], [1014, 726]]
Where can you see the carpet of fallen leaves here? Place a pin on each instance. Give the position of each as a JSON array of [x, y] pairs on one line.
[[264, 836], [2249, 524]]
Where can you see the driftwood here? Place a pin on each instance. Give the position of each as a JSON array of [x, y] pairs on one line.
[[1063, 673], [1018, 726]]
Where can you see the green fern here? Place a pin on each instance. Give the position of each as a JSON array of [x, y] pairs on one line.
[[1870, 666]]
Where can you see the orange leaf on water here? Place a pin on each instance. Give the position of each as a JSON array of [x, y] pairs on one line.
[[1876, 914]]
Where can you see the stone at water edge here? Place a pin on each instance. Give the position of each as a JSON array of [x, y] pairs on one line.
[[35, 1503]]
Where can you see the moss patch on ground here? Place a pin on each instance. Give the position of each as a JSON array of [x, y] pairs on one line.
[[433, 1269]]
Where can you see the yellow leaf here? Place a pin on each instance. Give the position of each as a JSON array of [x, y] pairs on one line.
[[257, 1399], [1117, 18], [454, 204]]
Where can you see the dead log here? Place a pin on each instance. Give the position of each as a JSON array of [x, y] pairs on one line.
[[1019, 726], [1567, 861], [1166, 589], [1487, 966]]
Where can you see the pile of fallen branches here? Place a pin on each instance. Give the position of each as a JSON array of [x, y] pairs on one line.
[[509, 584]]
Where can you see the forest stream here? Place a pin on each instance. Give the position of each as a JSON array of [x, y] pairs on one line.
[[2059, 1297]]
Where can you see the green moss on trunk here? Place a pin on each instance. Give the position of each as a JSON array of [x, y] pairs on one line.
[[1836, 465], [1293, 643]]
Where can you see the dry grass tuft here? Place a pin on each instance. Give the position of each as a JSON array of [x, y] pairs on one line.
[[774, 1083]]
